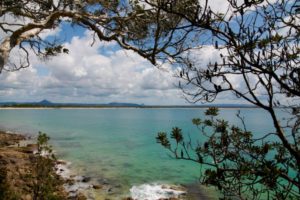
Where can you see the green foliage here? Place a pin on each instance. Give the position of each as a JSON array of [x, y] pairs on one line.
[[212, 111], [197, 121], [177, 135], [163, 139], [45, 181], [235, 162]]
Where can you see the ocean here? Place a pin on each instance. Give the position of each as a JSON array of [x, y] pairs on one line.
[[117, 146]]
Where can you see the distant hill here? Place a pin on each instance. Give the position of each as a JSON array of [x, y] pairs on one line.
[[47, 103]]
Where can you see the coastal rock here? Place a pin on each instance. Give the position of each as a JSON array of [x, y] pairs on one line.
[[109, 190], [16, 169], [97, 187], [7, 139], [28, 197], [177, 188], [26, 150], [103, 181], [78, 196], [70, 181], [35, 146], [31, 148], [86, 179], [61, 162]]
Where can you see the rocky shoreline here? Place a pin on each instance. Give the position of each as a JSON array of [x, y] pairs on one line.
[[17, 152], [16, 155], [16, 170]]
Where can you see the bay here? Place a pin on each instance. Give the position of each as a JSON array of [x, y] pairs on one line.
[[118, 144]]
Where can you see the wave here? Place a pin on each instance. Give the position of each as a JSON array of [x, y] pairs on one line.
[[156, 191]]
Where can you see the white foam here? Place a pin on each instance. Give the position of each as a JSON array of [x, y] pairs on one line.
[[63, 171], [77, 186], [155, 191]]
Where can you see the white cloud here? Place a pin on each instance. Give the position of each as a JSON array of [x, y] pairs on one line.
[[50, 32], [99, 73]]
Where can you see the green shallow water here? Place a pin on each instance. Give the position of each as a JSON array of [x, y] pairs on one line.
[[118, 145]]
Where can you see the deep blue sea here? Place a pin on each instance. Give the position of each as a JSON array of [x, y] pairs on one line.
[[118, 144]]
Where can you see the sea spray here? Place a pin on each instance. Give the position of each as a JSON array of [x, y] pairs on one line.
[[156, 191], [74, 184]]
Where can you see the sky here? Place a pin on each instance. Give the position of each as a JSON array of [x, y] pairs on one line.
[[98, 73]]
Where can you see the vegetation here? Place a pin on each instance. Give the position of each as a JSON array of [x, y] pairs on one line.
[[234, 161], [24, 175], [45, 181], [256, 59], [24, 22]]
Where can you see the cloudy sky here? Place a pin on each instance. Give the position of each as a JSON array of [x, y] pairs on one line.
[[100, 73]]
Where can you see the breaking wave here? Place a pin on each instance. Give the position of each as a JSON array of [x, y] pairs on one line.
[[156, 191]]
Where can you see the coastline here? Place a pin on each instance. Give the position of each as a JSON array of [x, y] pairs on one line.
[[106, 188], [20, 149], [17, 151], [17, 170]]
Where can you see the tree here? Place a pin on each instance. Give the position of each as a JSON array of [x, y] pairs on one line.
[[45, 181], [257, 43], [23, 23]]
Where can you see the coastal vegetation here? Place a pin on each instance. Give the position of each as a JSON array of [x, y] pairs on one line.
[[27, 172], [256, 59], [234, 160]]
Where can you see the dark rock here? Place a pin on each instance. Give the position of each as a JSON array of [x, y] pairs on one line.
[[110, 190], [86, 179], [97, 187]]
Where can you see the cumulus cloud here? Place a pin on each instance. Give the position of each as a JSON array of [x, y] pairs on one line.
[[99, 73]]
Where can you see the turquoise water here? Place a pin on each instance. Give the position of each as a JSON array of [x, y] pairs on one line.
[[119, 144]]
